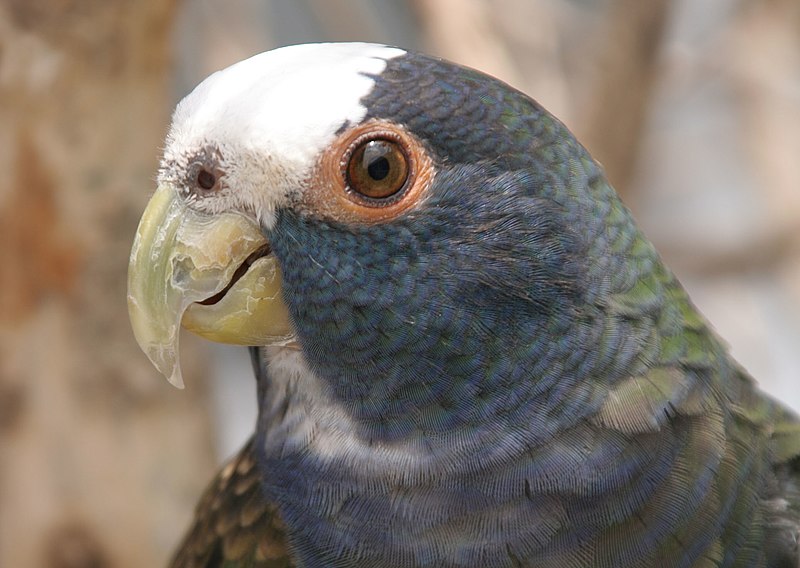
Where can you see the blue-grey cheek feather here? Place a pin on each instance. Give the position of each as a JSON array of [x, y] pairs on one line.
[[390, 298]]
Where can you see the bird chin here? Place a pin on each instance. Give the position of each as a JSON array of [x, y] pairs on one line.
[[212, 274]]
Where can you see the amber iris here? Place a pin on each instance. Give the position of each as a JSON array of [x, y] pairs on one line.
[[377, 169]]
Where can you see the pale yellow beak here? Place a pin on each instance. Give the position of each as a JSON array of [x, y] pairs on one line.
[[181, 257]]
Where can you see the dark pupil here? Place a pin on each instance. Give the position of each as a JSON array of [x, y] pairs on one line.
[[375, 160], [378, 169]]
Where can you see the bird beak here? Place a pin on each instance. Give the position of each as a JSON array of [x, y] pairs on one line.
[[211, 273]]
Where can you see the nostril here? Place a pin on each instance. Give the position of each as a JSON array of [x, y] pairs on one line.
[[206, 179], [203, 174]]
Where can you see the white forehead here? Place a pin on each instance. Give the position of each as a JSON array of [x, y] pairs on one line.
[[288, 102]]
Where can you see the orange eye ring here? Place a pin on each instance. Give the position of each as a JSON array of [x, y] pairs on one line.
[[345, 189]]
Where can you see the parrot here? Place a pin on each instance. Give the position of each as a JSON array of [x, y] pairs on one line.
[[467, 353]]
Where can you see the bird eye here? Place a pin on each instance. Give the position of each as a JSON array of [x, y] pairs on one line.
[[377, 169], [370, 173]]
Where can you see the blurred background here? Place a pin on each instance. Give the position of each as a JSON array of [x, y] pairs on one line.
[[692, 107]]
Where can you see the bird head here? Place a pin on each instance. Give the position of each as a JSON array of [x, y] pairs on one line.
[[419, 230]]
